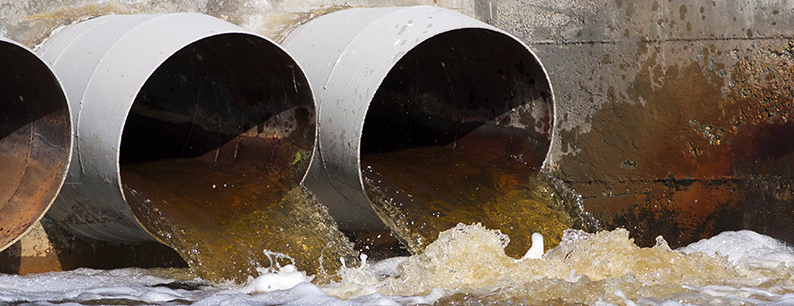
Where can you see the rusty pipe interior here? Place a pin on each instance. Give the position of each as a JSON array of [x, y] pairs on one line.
[[35, 140]]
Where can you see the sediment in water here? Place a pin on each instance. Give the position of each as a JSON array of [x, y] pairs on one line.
[[228, 220], [423, 191]]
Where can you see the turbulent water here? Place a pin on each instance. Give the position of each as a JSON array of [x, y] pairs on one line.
[[422, 191], [466, 266], [221, 218]]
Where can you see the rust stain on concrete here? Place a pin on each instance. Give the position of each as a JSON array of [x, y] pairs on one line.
[[705, 147]]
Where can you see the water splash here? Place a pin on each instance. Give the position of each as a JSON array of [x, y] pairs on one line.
[[420, 192], [468, 265], [227, 221]]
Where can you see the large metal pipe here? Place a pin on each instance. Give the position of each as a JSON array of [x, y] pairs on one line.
[[406, 79], [35, 139], [172, 87]]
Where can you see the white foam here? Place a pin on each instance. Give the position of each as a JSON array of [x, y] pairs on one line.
[[278, 279], [301, 294], [536, 251], [288, 286], [88, 285], [751, 248]]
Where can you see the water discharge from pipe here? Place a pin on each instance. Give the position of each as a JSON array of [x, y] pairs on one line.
[[212, 155], [199, 139], [457, 133], [430, 118]]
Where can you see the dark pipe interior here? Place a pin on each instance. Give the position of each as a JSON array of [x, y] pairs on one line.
[[462, 83], [213, 151], [35, 135], [460, 123], [222, 99]]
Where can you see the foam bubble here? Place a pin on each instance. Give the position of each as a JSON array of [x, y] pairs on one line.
[[536, 251], [276, 279]]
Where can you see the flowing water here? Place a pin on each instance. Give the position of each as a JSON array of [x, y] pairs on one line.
[[227, 220], [253, 240], [423, 191], [465, 266]]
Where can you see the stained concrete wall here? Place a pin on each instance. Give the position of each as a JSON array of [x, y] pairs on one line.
[[673, 117]]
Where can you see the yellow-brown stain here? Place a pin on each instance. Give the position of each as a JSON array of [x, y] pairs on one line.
[[49, 21]]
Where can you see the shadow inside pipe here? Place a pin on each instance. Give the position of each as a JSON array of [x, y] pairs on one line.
[[457, 132], [212, 155], [35, 138]]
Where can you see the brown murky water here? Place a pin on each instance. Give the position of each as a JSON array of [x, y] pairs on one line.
[[227, 220], [423, 191]]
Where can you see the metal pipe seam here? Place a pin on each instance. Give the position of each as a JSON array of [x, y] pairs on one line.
[[347, 55], [113, 65], [35, 140]]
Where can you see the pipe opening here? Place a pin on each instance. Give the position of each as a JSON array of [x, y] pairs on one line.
[[457, 132], [472, 88], [223, 106], [35, 140], [225, 99], [213, 152]]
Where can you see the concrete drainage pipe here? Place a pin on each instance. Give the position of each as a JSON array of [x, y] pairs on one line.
[[427, 118], [185, 124], [35, 139]]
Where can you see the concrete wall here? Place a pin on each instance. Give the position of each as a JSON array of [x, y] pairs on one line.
[[673, 116], [31, 21]]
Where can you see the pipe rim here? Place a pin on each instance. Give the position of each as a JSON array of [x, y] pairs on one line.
[[131, 35], [340, 168], [54, 83], [548, 84]]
